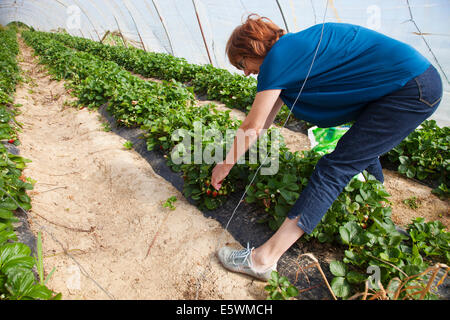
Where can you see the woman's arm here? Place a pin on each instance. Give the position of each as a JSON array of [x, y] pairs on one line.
[[276, 108], [262, 113], [264, 110]]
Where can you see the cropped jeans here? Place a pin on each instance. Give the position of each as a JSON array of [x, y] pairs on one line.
[[380, 126]]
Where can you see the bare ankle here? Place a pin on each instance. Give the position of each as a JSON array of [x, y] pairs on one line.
[[260, 262]]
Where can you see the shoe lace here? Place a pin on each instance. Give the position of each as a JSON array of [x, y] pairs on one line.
[[241, 255]]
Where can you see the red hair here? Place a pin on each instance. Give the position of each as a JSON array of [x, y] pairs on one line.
[[252, 39]]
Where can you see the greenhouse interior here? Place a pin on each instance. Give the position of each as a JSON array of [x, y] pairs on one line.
[[212, 150]]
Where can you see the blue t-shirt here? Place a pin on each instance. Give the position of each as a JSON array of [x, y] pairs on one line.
[[354, 65]]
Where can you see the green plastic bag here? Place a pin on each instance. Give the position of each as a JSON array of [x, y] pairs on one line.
[[324, 140]]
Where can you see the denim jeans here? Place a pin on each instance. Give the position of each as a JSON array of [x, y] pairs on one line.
[[381, 125]]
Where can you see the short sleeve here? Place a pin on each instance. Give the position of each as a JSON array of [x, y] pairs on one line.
[[270, 76], [286, 63]]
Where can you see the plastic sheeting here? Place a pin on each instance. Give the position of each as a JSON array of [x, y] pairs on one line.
[[199, 29]]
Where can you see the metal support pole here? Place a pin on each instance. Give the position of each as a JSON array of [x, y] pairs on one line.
[[104, 36], [120, 32], [201, 30], [164, 25], [135, 25], [282, 15]]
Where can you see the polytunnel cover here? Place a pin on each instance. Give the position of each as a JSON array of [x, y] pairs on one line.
[[198, 29]]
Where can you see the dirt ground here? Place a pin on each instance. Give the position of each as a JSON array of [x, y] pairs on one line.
[[104, 205]]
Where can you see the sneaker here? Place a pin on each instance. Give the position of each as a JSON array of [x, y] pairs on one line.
[[241, 261]]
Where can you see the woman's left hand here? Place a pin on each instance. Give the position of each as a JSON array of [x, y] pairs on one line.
[[219, 173]]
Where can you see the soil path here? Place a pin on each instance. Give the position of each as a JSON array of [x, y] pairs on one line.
[[104, 204]]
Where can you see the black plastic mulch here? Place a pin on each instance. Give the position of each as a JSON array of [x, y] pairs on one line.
[[22, 228]]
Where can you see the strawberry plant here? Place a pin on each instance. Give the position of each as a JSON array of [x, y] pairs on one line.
[[430, 238], [128, 145], [343, 279], [170, 203], [9, 77], [277, 193], [425, 155], [279, 288]]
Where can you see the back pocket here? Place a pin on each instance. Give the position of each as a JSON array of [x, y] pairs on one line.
[[430, 86]]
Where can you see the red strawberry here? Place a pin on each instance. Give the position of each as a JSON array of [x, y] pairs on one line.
[[11, 141], [214, 194], [208, 192]]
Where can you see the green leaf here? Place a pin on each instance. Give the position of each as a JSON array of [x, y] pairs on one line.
[[14, 255], [40, 292], [354, 277], [403, 159], [395, 240], [289, 196], [349, 231], [292, 291], [20, 282], [275, 277], [345, 235], [338, 268], [360, 239], [341, 287], [270, 288], [402, 168], [6, 214], [411, 172], [353, 207], [281, 210], [276, 295]]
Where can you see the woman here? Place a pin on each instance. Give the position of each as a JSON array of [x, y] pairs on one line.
[[385, 86]]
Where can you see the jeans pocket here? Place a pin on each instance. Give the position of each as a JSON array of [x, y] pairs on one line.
[[430, 86]]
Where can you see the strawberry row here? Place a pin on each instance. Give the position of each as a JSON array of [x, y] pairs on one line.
[[234, 90], [17, 280]]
